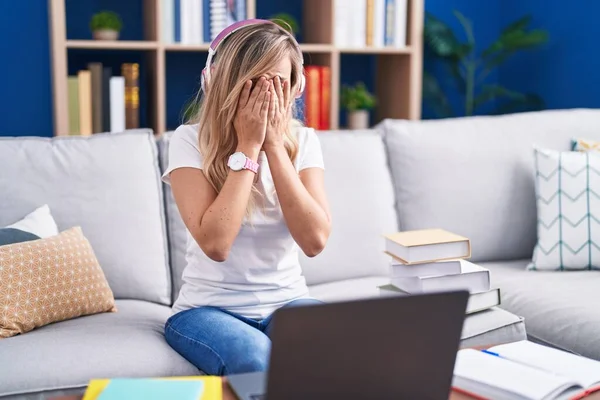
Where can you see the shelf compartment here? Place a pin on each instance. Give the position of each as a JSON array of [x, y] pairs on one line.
[[109, 45]]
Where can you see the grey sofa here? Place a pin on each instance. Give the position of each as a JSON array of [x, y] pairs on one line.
[[470, 175]]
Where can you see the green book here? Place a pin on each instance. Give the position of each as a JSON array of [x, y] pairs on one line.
[[73, 94]]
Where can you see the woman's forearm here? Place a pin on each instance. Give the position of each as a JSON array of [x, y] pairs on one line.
[[307, 221], [222, 220]]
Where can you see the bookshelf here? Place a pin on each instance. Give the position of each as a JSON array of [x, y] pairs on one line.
[[398, 70]]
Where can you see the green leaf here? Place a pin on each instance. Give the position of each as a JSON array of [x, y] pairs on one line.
[[518, 25], [529, 102], [435, 97], [467, 26], [492, 92], [440, 38]]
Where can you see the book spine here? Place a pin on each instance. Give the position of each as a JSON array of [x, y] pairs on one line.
[[325, 81], [390, 22], [370, 22], [73, 85], [130, 72], [186, 16], [206, 21], [312, 106], [85, 102], [218, 17], [96, 72], [340, 34], [379, 23], [117, 104], [168, 21], [106, 74], [177, 21], [241, 10], [400, 23]]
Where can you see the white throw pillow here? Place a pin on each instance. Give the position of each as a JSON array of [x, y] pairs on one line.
[[568, 207], [39, 222]]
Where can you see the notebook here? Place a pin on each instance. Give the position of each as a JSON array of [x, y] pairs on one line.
[[212, 386], [151, 389], [524, 370]]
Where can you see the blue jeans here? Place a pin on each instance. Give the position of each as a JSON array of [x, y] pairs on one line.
[[219, 342]]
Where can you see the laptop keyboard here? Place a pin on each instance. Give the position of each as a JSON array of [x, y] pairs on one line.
[[258, 397]]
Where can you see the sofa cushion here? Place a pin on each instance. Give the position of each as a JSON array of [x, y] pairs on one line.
[[49, 280], [568, 206], [66, 355], [177, 232], [109, 184], [493, 326], [361, 199], [474, 175], [560, 309]]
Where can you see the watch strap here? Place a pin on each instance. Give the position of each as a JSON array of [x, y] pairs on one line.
[[251, 165]]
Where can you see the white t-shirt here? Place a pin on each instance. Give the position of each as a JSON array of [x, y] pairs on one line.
[[262, 271]]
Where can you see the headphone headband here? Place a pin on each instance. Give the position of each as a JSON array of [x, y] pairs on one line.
[[225, 33]]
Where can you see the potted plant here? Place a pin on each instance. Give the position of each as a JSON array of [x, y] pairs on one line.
[[287, 22], [357, 101], [106, 25]]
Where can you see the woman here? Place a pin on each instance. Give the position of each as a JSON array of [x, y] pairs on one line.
[[248, 182]]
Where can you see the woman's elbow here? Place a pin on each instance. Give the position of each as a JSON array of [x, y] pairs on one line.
[[315, 245], [214, 249]]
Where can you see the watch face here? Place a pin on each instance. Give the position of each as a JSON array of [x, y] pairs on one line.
[[237, 161]]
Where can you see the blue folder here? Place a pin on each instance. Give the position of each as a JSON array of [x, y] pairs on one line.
[[152, 389]]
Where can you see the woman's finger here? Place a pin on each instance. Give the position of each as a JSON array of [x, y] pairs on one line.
[[274, 100], [261, 88], [244, 95], [281, 100], [256, 93], [264, 109], [286, 93]]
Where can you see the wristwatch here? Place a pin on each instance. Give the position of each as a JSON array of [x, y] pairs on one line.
[[238, 161]]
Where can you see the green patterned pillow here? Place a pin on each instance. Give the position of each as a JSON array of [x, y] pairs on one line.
[[568, 206]]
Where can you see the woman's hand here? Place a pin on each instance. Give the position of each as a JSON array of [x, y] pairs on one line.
[[279, 113], [250, 121]]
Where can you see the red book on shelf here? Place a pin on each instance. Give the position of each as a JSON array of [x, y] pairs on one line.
[[312, 106], [325, 98]]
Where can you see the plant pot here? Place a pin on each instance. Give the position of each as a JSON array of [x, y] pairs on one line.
[[106, 34], [358, 119]]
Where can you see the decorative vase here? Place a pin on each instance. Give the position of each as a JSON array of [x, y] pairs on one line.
[[106, 34], [358, 119]]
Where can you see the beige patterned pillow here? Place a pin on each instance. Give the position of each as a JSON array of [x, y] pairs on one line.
[[50, 280]]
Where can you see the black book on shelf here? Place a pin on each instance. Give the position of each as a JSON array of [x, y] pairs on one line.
[[106, 75]]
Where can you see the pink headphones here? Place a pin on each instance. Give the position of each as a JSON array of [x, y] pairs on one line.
[[205, 79]]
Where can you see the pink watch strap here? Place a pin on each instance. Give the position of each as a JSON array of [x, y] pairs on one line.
[[251, 165]]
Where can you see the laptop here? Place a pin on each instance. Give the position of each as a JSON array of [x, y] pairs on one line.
[[383, 348]]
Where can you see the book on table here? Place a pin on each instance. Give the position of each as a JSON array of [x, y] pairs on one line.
[[471, 277], [525, 370], [445, 267], [477, 301], [427, 245]]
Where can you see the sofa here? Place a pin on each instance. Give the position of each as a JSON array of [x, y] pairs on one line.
[[471, 175]]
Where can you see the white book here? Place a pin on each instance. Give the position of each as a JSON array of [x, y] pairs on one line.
[[472, 277], [168, 20], [340, 23], [401, 270], [427, 245], [477, 301], [191, 21], [379, 23], [524, 370], [117, 103], [356, 23], [218, 17], [401, 10]]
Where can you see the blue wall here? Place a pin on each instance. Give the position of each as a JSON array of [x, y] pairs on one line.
[[564, 73]]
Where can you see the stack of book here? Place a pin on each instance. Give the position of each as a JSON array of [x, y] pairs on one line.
[[370, 23], [101, 102], [314, 105], [433, 260], [198, 21]]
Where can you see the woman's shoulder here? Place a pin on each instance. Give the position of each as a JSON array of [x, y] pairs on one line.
[[186, 133], [304, 134]]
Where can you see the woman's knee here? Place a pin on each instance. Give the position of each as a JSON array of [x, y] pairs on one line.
[[251, 355]]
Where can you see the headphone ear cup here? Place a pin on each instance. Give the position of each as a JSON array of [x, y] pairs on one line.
[[302, 86]]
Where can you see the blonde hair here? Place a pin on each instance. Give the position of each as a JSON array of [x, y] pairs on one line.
[[246, 54]]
